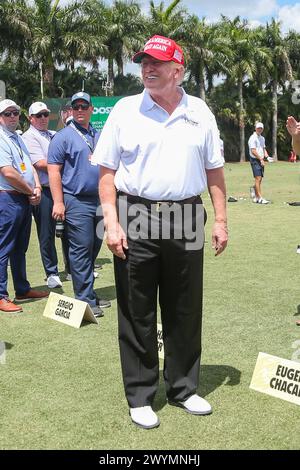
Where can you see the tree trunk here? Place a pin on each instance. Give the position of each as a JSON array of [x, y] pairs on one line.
[[202, 83], [49, 80], [210, 84], [274, 119], [120, 67], [197, 80], [241, 123], [111, 77]]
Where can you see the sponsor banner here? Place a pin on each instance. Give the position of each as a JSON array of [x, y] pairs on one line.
[[102, 107]]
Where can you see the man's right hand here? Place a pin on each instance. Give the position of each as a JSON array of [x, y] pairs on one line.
[[116, 240], [58, 212], [293, 126]]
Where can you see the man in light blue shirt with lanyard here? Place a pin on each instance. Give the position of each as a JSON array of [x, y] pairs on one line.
[[19, 189], [73, 179]]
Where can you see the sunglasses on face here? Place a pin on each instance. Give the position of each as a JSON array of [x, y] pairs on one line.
[[84, 107], [11, 113], [39, 115]]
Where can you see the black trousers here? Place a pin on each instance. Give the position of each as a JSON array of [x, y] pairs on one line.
[[166, 269], [45, 225]]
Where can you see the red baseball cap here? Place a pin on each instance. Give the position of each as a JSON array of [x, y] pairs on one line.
[[161, 48]]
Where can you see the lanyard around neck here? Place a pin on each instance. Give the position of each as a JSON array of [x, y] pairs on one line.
[[19, 148], [91, 147]]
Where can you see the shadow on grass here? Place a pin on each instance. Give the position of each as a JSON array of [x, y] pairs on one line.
[[43, 288], [298, 311], [107, 293], [103, 261], [211, 377], [88, 323]]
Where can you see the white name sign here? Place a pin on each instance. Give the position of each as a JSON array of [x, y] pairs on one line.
[[68, 310], [277, 377]]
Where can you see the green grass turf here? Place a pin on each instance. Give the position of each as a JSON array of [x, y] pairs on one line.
[[61, 388]]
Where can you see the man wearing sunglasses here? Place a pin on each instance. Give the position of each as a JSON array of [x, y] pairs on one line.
[[73, 178], [37, 139], [19, 189]]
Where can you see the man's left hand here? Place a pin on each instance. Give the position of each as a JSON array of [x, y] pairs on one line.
[[35, 197]]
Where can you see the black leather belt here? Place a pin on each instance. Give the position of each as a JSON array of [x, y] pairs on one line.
[[149, 202]]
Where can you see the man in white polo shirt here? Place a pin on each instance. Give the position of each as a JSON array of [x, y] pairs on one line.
[[37, 139], [158, 151], [257, 152]]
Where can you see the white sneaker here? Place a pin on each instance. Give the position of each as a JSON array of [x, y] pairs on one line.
[[262, 201], [144, 417], [194, 405], [96, 274], [53, 281]]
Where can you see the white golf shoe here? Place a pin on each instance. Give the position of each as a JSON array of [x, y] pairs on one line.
[[144, 417], [194, 405]]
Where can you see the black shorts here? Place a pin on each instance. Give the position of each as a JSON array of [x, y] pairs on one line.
[[257, 168]]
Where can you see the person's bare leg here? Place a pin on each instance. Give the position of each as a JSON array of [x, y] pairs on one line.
[[257, 186]]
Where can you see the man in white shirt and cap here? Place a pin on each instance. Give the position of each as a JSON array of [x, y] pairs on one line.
[[158, 151], [19, 190], [257, 155]]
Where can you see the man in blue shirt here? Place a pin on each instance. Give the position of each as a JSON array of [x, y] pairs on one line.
[[37, 139], [73, 178], [19, 189]]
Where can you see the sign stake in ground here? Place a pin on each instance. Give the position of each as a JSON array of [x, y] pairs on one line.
[[68, 310], [2, 352], [160, 342]]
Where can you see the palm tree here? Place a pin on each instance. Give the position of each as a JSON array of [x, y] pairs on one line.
[[45, 32], [279, 69], [125, 33], [14, 28], [48, 20], [243, 64], [169, 22], [207, 50], [84, 35]]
